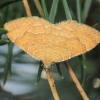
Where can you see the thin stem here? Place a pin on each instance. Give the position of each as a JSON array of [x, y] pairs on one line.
[[38, 5], [82, 75], [83, 68], [78, 10], [39, 72], [7, 69], [86, 9], [27, 8], [52, 84], [45, 9], [59, 70], [81, 57], [53, 10], [75, 80], [67, 11]]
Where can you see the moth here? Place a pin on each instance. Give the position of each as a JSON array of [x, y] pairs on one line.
[[51, 43]]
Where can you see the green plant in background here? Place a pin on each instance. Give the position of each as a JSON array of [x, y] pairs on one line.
[[2, 41], [50, 17]]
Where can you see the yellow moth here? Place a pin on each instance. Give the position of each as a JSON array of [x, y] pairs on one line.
[[51, 42]]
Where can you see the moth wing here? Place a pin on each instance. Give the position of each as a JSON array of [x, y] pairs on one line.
[[34, 21], [80, 38]]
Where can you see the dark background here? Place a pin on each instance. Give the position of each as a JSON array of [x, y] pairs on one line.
[[21, 86]]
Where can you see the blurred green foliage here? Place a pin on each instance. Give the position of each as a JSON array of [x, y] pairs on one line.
[[85, 11]]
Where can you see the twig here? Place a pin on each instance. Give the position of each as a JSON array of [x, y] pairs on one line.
[[52, 84], [37, 3], [75, 80], [26, 5]]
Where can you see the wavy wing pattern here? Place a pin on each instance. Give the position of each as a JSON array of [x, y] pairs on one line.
[[51, 42]]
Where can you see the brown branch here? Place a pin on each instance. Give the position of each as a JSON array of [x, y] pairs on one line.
[[38, 5], [27, 8], [75, 80], [52, 84]]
